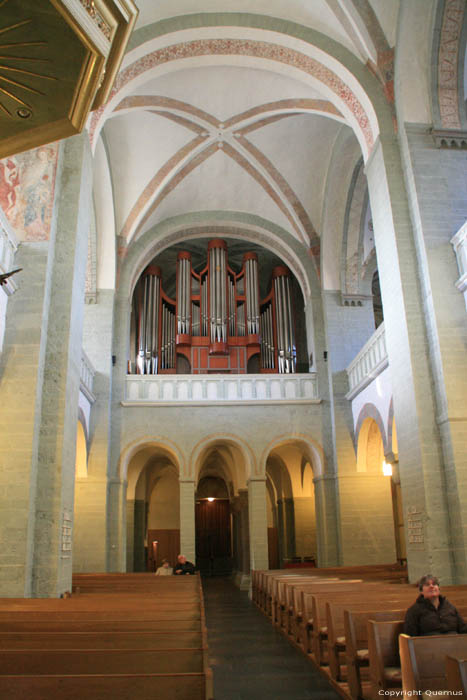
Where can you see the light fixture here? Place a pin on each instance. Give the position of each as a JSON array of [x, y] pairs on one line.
[[211, 499], [387, 469]]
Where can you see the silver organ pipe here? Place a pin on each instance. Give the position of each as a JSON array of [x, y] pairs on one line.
[[148, 322], [204, 306], [250, 262], [183, 293], [218, 291], [284, 321]]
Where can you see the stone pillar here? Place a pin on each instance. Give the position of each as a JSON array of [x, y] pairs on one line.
[[422, 468], [90, 532], [139, 531], [327, 520], [40, 388], [242, 540], [258, 523], [438, 208], [187, 519], [281, 539], [289, 513], [130, 535], [116, 525]]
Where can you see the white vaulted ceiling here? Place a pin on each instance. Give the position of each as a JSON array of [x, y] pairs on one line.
[[237, 115]]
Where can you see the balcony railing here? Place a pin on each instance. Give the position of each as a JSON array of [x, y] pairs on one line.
[[87, 377], [370, 361], [205, 389], [459, 242]]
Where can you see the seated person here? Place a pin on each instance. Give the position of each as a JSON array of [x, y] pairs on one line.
[[183, 566], [164, 569], [432, 613]]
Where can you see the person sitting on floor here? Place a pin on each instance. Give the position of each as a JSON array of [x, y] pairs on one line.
[[432, 613], [183, 566], [164, 569]]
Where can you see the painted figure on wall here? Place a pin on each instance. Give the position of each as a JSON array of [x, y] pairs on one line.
[[27, 185]]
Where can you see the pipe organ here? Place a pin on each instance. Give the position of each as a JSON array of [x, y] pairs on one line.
[[217, 322]]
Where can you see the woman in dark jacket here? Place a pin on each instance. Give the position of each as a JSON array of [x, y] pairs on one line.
[[432, 613]]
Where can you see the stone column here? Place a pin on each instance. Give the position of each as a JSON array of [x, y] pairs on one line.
[[289, 513], [258, 523], [281, 540], [407, 320], [438, 208], [116, 525], [187, 519], [327, 519], [90, 533], [40, 387], [139, 536], [242, 540]]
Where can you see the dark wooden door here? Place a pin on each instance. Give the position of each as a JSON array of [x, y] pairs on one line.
[[213, 537], [168, 547]]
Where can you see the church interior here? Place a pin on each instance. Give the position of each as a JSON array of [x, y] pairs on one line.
[[237, 329]]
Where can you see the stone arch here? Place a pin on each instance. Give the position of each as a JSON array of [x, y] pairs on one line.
[[369, 410], [225, 224], [163, 444], [200, 451], [311, 449], [447, 66]]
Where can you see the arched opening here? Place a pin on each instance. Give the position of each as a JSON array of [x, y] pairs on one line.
[[210, 305], [153, 509], [292, 534], [367, 505], [221, 511]]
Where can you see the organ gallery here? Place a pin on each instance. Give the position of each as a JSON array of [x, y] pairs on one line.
[[217, 321]]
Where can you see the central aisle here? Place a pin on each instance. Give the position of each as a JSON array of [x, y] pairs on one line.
[[250, 659]]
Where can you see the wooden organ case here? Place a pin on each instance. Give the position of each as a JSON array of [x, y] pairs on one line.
[[217, 322]]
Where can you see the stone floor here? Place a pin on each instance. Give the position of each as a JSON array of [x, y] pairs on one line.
[[249, 658]]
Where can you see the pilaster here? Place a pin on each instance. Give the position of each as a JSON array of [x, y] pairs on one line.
[[187, 519], [258, 523], [422, 471]]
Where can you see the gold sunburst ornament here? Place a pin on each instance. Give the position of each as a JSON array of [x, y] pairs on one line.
[[58, 61], [18, 75]]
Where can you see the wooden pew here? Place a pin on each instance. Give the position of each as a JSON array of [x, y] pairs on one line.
[[356, 643], [129, 639], [456, 676], [105, 645], [188, 686], [384, 659], [109, 661], [423, 660]]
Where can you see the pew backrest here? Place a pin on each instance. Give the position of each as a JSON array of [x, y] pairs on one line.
[[423, 660]]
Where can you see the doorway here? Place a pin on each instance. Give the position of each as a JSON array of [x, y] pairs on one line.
[[213, 537]]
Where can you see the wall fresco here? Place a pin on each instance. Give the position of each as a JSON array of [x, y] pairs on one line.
[[27, 187]]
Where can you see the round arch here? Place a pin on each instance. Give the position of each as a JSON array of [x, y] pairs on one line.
[[369, 410], [202, 448], [312, 450], [165, 446]]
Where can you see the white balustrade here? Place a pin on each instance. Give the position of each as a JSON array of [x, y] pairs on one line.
[[87, 377], [370, 361], [459, 243], [211, 389]]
